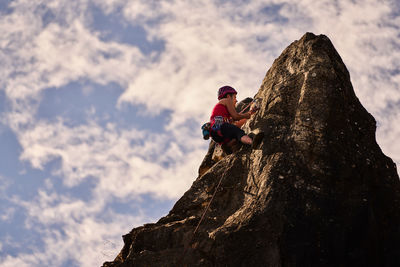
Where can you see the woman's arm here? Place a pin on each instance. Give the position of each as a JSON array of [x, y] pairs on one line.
[[232, 111], [240, 123]]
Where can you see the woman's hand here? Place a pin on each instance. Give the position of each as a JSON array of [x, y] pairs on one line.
[[252, 111]]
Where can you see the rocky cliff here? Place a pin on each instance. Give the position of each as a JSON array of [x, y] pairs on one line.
[[318, 191]]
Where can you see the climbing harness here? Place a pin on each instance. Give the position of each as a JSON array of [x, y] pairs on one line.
[[219, 120]]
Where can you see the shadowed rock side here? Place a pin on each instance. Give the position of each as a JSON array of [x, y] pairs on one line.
[[318, 191]]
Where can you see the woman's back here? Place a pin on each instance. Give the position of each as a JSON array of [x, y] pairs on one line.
[[220, 110]]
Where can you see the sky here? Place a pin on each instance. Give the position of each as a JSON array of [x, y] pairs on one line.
[[101, 103]]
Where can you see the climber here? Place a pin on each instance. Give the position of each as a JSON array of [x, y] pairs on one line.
[[225, 120]]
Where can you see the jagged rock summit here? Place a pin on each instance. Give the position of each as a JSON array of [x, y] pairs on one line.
[[318, 191]]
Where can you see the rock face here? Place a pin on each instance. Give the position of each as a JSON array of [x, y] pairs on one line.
[[318, 191]]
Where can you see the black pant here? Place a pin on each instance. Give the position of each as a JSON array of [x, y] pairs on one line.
[[229, 132]]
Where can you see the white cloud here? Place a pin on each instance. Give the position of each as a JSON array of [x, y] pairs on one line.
[[203, 51], [37, 57], [71, 228], [123, 162], [388, 134]]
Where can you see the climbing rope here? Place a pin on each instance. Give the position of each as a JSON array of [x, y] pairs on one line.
[[254, 101], [212, 198], [201, 219]]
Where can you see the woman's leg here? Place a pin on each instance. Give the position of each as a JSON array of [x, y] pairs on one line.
[[246, 140], [215, 136], [232, 132]]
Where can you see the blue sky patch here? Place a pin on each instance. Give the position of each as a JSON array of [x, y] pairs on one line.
[[3, 102], [152, 207], [114, 28], [70, 263], [82, 191], [14, 233], [26, 180], [45, 13], [78, 102], [9, 153], [156, 208], [273, 15], [4, 7]]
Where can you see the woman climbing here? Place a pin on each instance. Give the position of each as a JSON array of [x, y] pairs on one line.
[[224, 130]]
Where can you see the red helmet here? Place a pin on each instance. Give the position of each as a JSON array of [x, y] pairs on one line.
[[224, 90]]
